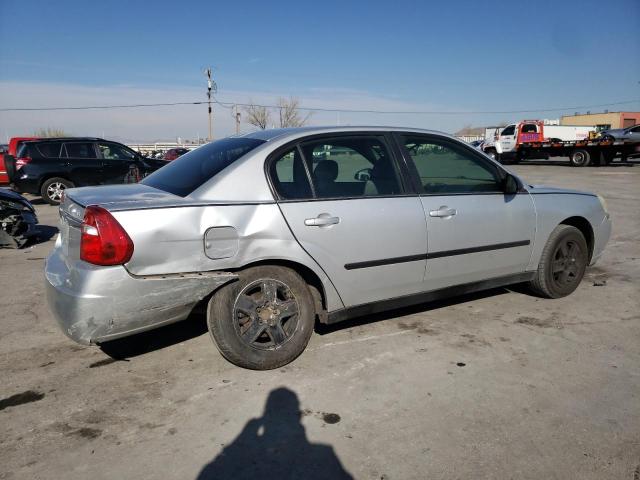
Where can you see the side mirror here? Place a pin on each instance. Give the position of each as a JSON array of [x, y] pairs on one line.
[[510, 185], [363, 175]]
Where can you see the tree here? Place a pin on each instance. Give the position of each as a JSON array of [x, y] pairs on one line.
[[50, 133], [289, 113], [257, 115]]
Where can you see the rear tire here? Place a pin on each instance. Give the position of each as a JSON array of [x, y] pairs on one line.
[[580, 158], [52, 189], [562, 264], [264, 320]]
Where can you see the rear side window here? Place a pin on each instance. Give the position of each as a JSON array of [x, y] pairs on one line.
[[289, 176], [346, 167], [191, 170], [80, 150], [22, 151], [51, 149]]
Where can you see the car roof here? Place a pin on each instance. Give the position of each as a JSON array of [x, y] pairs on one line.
[[284, 133], [69, 139]]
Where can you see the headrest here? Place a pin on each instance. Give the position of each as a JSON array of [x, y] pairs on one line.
[[326, 170]]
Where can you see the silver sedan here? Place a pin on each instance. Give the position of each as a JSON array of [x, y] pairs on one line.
[[279, 229]]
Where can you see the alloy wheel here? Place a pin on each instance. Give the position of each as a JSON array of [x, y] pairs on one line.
[[55, 190], [265, 314], [567, 263]]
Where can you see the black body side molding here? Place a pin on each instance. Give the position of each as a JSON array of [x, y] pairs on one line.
[[444, 253]]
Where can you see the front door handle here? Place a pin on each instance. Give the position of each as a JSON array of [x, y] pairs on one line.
[[322, 220], [443, 212]]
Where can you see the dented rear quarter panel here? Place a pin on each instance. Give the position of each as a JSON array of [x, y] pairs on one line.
[[172, 240]]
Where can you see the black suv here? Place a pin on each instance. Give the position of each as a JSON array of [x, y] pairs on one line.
[[49, 166]]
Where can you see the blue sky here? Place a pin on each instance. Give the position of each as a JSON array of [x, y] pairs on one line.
[[456, 55]]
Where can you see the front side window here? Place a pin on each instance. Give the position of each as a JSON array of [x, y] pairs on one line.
[[191, 170], [445, 167], [359, 166], [113, 151], [80, 150], [510, 130]]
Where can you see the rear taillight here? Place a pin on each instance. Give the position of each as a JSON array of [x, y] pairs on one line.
[[21, 162], [103, 240]]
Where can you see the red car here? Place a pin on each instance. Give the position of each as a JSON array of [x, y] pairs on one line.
[[174, 153], [14, 145]]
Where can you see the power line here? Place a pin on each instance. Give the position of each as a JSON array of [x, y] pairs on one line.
[[427, 112], [229, 104], [98, 107]]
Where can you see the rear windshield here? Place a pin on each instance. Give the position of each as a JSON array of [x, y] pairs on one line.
[[184, 175]]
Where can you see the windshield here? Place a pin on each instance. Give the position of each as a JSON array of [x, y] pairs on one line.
[[184, 175]]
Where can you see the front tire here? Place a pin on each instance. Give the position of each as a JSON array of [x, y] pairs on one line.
[[491, 153], [264, 320], [562, 264], [53, 188]]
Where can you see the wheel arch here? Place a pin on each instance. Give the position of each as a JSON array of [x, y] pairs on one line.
[[310, 277], [585, 228], [49, 176]]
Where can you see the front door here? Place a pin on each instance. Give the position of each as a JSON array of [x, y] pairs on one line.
[[507, 139], [474, 231], [354, 217], [117, 163]]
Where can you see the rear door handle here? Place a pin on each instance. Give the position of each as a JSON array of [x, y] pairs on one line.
[[443, 212], [322, 220]]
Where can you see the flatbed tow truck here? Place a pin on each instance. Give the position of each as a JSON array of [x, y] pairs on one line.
[[527, 140]]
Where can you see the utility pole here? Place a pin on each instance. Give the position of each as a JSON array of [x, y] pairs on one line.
[[211, 88], [237, 117]]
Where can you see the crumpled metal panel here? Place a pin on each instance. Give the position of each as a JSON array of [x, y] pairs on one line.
[[172, 240], [95, 304]]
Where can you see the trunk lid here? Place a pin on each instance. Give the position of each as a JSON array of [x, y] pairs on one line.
[[124, 197]]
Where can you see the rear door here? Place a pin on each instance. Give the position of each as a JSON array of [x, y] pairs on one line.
[[82, 164], [118, 163], [474, 231], [355, 217]]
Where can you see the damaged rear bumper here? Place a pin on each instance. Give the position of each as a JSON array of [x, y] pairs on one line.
[[97, 304]]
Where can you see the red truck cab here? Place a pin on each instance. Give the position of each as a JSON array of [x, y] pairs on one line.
[[14, 145]]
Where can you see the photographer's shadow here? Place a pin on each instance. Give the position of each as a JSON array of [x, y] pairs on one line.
[[275, 446]]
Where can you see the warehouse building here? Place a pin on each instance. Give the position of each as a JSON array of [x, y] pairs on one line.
[[603, 121]]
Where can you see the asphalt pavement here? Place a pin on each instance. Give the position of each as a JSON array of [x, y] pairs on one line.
[[497, 385]]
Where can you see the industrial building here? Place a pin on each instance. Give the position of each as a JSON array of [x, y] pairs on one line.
[[604, 120]]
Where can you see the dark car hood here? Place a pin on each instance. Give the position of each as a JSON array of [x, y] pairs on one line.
[[11, 196]]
